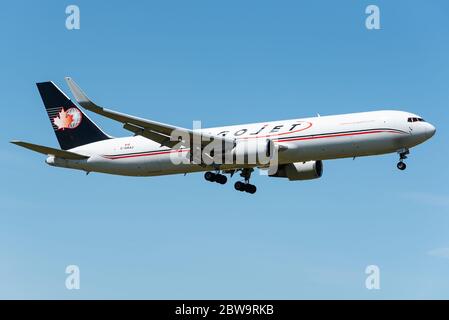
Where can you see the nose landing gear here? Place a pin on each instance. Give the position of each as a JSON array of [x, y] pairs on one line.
[[402, 156]]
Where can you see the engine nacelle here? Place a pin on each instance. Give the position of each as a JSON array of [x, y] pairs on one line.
[[251, 152], [300, 170], [245, 152]]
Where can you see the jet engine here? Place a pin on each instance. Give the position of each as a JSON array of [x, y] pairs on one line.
[[252, 152]]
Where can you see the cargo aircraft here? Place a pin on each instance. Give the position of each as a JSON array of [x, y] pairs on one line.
[[297, 147]]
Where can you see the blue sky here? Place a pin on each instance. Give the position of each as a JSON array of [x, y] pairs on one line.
[[226, 62]]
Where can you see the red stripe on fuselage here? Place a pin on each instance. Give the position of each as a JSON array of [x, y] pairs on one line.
[[337, 135], [146, 154], [333, 135]]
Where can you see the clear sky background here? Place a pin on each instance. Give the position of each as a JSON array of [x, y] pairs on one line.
[[225, 62]]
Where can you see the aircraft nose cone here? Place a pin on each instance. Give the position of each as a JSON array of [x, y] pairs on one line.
[[430, 131]]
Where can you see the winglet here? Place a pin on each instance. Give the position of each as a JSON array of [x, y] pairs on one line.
[[81, 97]]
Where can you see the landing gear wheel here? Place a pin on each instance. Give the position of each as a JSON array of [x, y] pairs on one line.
[[401, 165], [221, 179], [210, 176], [239, 186], [245, 186], [250, 188]]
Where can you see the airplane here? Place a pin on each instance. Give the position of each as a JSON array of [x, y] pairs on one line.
[[298, 147]]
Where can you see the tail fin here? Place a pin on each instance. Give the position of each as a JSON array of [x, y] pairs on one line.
[[72, 127]]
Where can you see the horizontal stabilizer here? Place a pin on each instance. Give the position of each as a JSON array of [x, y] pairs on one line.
[[50, 151]]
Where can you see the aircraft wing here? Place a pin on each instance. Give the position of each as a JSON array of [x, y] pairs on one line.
[[50, 151], [153, 130]]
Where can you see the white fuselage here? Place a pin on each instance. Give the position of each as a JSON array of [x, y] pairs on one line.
[[317, 138]]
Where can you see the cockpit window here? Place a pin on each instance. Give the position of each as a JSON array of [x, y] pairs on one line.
[[415, 120]]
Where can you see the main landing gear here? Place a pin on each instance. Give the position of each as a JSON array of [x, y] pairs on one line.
[[215, 177], [245, 186], [239, 185], [402, 156]]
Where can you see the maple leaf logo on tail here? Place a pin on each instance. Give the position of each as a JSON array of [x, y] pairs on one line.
[[63, 120]]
